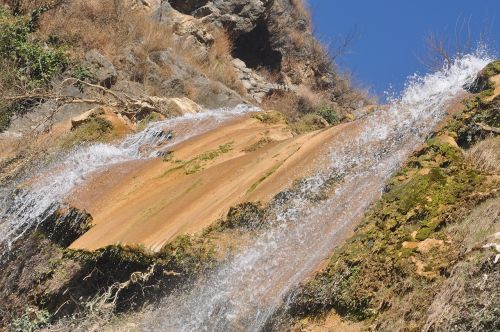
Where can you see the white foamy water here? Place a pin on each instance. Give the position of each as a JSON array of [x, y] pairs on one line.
[[23, 209], [247, 289]]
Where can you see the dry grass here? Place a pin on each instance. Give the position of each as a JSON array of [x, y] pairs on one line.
[[485, 155], [311, 99], [302, 9], [270, 76], [114, 28], [106, 25], [296, 104], [220, 67], [297, 38], [284, 102], [216, 64]]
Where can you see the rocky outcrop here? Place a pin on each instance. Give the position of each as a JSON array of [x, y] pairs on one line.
[[274, 35], [65, 225], [256, 85], [181, 106], [103, 70]]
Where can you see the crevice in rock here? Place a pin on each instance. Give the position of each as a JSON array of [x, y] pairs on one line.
[[254, 48], [187, 6]]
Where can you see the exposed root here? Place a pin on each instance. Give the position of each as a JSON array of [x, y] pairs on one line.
[[107, 300]]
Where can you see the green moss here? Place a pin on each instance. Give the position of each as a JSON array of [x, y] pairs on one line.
[[97, 129], [264, 177], [373, 265], [197, 163], [309, 122], [483, 85], [258, 145], [245, 216], [269, 117], [192, 168], [213, 154], [464, 123], [168, 156], [492, 69]]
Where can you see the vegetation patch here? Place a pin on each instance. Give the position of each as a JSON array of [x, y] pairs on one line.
[[475, 121], [329, 114], [309, 122], [269, 117], [32, 320], [483, 83], [76, 283], [97, 129], [258, 145], [27, 62], [197, 163], [403, 251], [264, 177], [36, 64]]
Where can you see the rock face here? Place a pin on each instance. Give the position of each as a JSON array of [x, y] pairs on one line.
[[104, 70], [66, 225], [274, 35], [255, 84]]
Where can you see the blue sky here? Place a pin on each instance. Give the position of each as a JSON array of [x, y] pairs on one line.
[[391, 33]]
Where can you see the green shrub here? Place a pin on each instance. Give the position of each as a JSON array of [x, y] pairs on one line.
[[5, 114], [309, 122], [36, 63], [83, 74], [32, 320], [329, 114]]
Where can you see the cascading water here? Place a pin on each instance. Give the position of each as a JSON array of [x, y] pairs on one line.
[[247, 289], [23, 209]]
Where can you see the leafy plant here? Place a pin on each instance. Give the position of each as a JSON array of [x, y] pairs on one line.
[[83, 74], [32, 320], [36, 63], [329, 114]]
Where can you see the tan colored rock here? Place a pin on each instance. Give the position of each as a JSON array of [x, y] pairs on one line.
[[181, 106], [448, 140], [422, 269], [410, 245], [77, 121], [426, 245]]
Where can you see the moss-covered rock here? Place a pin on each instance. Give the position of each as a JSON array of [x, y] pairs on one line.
[[388, 269], [483, 83]]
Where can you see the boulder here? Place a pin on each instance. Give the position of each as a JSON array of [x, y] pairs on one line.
[[181, 106], [240, 16], [105, 72], [77, 121]]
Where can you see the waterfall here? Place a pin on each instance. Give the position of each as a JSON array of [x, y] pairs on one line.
[[247, 289], [27, 205]]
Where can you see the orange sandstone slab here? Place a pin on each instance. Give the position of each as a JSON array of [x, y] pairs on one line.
[[150, 202]]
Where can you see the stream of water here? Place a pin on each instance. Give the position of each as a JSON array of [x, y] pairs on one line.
[[245, 292]]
